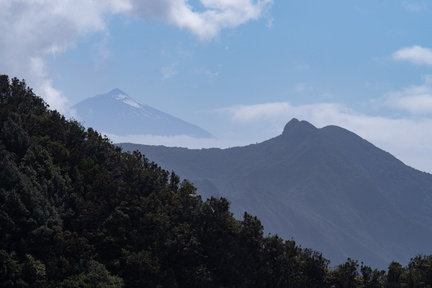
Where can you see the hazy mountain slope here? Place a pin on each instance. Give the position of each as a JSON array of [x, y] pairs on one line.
[[408, 187], [328, 188], [117, 113]]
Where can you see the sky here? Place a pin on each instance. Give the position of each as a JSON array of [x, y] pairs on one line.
[[241, 69]]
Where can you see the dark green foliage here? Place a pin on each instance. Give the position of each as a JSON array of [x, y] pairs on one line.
[[75, 211]]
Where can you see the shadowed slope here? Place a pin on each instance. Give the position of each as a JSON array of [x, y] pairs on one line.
[[328, 188]]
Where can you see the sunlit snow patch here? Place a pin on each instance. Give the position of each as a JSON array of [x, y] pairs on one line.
[[127, 100]]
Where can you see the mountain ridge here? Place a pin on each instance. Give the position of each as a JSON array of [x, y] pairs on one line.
[[327, 187]]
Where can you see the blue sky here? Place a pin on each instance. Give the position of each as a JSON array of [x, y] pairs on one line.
[[240, 69]]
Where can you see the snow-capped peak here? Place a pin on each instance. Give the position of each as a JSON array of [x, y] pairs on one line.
[[107, 113]]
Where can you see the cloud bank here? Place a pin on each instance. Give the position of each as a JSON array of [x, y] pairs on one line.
[[37, 29], [416, 99]]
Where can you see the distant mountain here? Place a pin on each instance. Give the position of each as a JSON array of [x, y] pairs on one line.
[[327, 188], [117, 113]]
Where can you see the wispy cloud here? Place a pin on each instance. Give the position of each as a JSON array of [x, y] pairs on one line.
[[414, 6], [210, 75], [415, 99], [301, 87], [303, 67], [415, 54], [283, 111], [168, 71], [36, 30], [258, 112]]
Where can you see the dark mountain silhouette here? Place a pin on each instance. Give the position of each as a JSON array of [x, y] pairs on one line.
[[328, 188], [117, 113]]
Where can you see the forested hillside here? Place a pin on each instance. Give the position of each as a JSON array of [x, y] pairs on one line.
[[76, 211]]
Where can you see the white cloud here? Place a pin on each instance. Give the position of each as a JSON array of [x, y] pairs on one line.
[[415, 54], [414, 99], [206, 24], [36, 29], [53, 97]]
